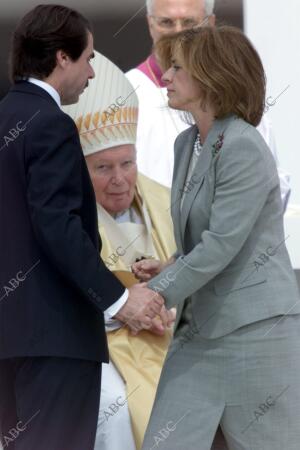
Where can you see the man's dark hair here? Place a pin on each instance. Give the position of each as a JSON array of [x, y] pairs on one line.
[[40, 34]]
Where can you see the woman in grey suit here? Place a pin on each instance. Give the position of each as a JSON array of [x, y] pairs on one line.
[[235, 357]]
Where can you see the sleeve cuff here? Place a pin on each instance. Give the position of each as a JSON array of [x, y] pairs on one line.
[[115, 308]]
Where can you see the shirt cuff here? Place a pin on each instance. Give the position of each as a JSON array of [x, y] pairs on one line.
[[115, 308]]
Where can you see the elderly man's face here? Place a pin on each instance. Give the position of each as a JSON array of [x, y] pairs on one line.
[[114, 175], [172, 16]]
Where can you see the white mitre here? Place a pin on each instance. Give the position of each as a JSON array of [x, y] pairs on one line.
[[107, 112]]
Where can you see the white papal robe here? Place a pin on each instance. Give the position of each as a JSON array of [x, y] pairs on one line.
[[130, 379]]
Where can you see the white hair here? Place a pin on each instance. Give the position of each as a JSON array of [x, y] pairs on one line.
[[209, 6]]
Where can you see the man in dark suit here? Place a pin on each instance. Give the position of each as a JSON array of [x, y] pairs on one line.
[[55, 289]]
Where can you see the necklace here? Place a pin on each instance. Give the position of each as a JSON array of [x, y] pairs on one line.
[[197, 145]]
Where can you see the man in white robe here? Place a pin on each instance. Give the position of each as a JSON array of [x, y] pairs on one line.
[[159, 125]]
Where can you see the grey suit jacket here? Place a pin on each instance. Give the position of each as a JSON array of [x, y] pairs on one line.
[[233, 263]]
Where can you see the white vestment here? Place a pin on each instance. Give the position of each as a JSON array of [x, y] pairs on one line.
[[159, 125], [114, 431]]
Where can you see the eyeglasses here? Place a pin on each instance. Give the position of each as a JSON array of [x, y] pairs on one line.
[[165, 23]]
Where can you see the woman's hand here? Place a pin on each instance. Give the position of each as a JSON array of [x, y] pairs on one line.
[[161, 323], [146, 269], [165, 320]]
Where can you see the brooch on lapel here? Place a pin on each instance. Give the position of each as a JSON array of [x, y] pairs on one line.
[[218, 144]]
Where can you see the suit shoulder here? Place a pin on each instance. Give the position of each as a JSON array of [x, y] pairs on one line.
[[50, 129], [183, 136], [53, 117], [243, 135], [38, 104], [243, 145]]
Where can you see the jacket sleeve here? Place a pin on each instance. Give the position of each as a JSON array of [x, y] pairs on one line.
[[266, 130], [55, 193], [244, 178]]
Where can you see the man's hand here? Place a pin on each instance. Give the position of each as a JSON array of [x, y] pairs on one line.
[[142, 306]]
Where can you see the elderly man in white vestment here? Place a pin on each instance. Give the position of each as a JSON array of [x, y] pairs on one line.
[[134, 223], [158, 124]]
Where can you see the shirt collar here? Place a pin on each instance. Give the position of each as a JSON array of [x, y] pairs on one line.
[[47, 87]]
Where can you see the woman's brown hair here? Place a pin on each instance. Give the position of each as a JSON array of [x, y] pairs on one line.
[[225, 63]]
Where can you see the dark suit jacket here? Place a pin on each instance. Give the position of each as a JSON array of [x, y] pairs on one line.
[[53, 285]]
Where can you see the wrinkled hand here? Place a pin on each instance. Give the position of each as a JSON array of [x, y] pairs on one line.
[[146, 269], [142, 306]]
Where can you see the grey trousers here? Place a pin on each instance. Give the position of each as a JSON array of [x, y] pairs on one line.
[[247, 381]]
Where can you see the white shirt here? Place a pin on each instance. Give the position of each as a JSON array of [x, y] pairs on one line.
[[115, 307]]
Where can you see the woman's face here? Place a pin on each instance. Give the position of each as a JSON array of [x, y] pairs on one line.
[[184, 92]]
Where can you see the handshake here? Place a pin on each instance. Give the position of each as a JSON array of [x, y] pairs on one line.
[[145, 308]]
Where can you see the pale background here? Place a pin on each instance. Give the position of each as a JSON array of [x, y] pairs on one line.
[[273, 27]]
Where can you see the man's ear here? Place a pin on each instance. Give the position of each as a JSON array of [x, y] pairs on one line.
[[62, 59]]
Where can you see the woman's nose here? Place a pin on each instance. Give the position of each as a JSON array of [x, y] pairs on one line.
[[167, 76]]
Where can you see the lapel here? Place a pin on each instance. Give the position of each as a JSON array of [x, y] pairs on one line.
[[197, 177], [181, 165]]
